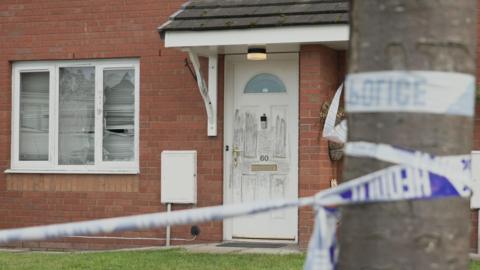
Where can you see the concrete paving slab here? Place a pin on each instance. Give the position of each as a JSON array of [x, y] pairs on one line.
[[474, 256], [214, 248]]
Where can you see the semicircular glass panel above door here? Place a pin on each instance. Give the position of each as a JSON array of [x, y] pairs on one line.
[[265, 83]]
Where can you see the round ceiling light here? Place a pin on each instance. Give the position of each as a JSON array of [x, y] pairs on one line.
[[257, 54]]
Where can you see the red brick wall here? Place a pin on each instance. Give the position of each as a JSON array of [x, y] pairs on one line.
[[321, 72], [476, 146], [172, 115], [474, 232]]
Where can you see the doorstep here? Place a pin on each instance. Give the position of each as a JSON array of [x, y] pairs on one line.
[[244, 248]]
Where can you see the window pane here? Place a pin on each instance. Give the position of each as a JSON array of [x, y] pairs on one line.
[[119, 115], [265, 83], [76, 116], [34, 115]]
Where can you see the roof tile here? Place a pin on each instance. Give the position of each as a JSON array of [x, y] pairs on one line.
[[201, 15]]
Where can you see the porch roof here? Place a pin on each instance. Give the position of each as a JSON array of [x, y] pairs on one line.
[[212, 27], [205, 15]]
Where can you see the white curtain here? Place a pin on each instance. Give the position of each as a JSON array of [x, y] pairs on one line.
[[34, 116], [118, 112]]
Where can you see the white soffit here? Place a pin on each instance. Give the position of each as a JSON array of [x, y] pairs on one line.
[[320, 34]]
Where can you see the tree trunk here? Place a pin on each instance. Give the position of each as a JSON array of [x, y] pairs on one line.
[[429, 35]]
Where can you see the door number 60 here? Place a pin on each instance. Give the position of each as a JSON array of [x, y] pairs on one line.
[[263, 157]]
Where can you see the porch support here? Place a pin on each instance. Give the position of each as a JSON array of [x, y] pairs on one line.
[[208, 93]]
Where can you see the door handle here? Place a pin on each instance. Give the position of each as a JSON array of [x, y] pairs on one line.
[[236, 154]]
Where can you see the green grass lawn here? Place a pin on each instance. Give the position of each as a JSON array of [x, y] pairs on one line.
[[475, 266], [160, 259]]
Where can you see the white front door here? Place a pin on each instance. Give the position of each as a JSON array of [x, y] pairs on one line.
[[262, 143]]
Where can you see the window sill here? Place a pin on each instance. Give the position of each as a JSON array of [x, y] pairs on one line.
[[37, 171]]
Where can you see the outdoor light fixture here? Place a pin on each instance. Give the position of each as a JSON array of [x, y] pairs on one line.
[[257, 53]]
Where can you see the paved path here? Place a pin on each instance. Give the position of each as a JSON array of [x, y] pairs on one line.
[[475, 256], [198, 248]]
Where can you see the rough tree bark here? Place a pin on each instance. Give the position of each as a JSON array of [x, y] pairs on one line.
[[435, 35]]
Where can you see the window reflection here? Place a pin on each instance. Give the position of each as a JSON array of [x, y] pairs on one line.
[[76, 116]]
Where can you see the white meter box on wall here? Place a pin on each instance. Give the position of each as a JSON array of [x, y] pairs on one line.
[[179, 177]]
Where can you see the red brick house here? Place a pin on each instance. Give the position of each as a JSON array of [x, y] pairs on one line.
[[92, 95]]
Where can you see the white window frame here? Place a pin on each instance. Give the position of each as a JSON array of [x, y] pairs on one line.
[[51, 166]]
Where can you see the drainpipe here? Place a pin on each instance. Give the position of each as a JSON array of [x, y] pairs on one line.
[[167, 240]]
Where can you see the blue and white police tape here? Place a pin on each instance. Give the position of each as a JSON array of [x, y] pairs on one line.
[[411, 91], [415, 175], [382, 185], [147, 221], [407, 181], [322, 249], [401, 91], [453, 173], [419, 176]]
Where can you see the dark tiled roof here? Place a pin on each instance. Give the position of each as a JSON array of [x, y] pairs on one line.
[[199, 15]]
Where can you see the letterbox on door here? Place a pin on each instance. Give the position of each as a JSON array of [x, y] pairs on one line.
[[179, 177]]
